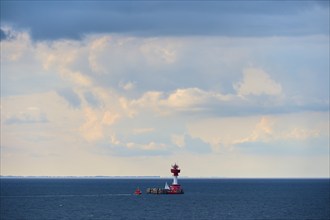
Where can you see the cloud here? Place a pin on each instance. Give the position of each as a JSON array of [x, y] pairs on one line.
[[301, 134], [65, 58], [56, 20], [96, 123], [262, 131], [109, 118], [97, 47], [143, 130], [17, 44], [149, 146], [127, 86], [257, 82], [131, 99], [200, 102], [92, 128], [180, 100], [31, 116], [178, 140], [159, 53], [190, 97], [185, 83], [233, 133]]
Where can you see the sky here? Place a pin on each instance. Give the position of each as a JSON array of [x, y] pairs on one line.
[[127, 88]]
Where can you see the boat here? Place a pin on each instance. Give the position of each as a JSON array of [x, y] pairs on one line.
[[137, 191]]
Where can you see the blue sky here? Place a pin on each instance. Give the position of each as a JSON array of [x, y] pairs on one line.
[[232, 89]]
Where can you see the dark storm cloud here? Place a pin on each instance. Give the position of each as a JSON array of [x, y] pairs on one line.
[[61, 19]]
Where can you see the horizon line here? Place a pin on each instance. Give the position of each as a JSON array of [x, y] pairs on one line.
[[146, 177]]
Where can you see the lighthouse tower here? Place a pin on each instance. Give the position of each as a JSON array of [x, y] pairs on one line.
[[175, 188]]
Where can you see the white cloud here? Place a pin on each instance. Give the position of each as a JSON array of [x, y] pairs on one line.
[[191, 97], [58, 54], [92, 128], [60, 57], [97, 47], [302, 133], [169, 98], [96, 122], [149, 146], [30, 115], [109, 118], [127, 86], [158, 51], [257, 82], [225, 133], [263, 131], [143, 130], [77, 78], [18, 46], [178, 140], [149, 101], [180, 100]]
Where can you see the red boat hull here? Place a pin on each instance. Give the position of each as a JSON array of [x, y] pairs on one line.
[[137, 192]]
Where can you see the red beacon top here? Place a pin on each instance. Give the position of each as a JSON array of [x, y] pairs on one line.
[[175, 170]]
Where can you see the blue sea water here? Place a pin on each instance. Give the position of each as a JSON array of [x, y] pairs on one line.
[[24, 198]]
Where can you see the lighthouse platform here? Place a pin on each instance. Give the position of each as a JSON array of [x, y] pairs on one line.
[[178, 190], [175, 188]]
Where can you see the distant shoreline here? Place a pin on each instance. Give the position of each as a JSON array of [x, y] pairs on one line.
[[83, 177], [152, 177]]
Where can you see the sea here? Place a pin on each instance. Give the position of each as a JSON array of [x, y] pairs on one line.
[[112, 198]]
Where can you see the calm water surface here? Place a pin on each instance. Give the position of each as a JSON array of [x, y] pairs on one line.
[[203, 199]]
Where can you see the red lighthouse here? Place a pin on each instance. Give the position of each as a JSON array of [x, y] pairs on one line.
[[175, 188]]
